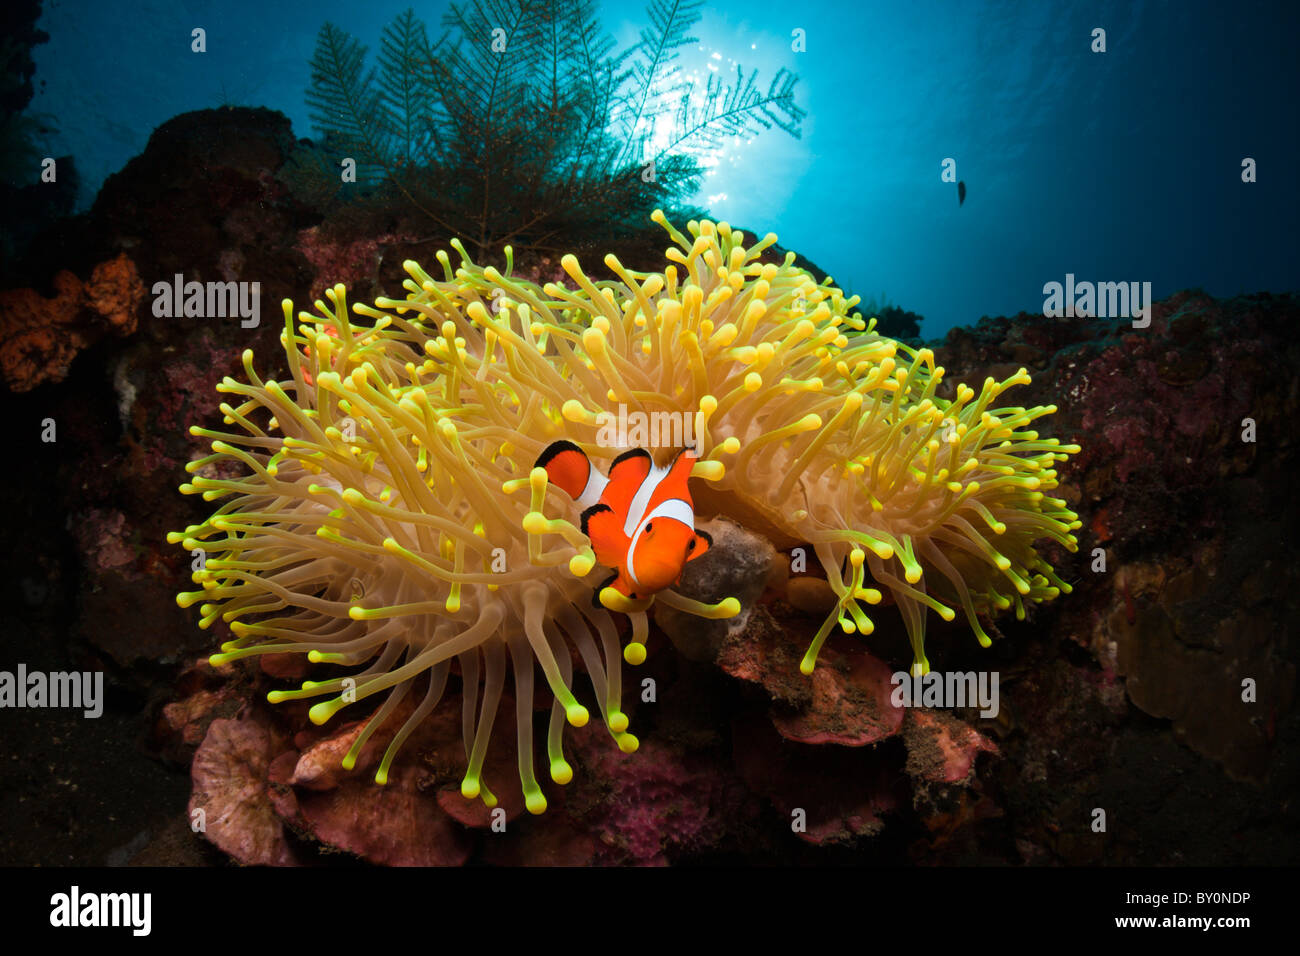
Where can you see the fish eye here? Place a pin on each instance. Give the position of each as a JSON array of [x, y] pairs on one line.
[[691, 546], [648, 526]]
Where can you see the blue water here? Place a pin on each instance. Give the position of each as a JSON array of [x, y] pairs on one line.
[[1122, 166]]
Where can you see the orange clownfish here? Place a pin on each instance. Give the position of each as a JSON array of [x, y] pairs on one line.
[[641, 520]]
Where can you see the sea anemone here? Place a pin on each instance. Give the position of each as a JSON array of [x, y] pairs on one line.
[[386, 514]]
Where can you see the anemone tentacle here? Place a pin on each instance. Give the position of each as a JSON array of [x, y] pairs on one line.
[[385, 513]]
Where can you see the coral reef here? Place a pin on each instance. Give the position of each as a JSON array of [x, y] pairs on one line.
[[1161, 621], [369, 519], [1194, 523], [1067, 738], [39, 336]]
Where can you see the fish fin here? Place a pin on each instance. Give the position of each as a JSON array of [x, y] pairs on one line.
[[591, 513], [676, 483], [683, 462], [600, 523], [632, 465], [626, 476], [567, 466], [555, 448], [673, 482], [699, 545], [616, 582]]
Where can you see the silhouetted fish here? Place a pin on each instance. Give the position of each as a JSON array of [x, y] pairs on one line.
[[961, 192]]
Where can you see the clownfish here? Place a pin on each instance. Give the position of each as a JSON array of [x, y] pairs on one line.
[[641, 520]]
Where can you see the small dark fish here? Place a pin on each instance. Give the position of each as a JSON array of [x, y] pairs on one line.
[[961, 192]]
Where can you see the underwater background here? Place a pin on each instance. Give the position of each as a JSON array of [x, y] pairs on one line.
[[1102, 165], [943, 161]]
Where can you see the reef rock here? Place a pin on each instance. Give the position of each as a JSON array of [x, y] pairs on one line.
[[738, 565], [230, 805], [39, 336]]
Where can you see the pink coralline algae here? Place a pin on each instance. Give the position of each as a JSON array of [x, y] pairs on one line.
[[352, 262], [941, 748], [660, 803], [230, 804]]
